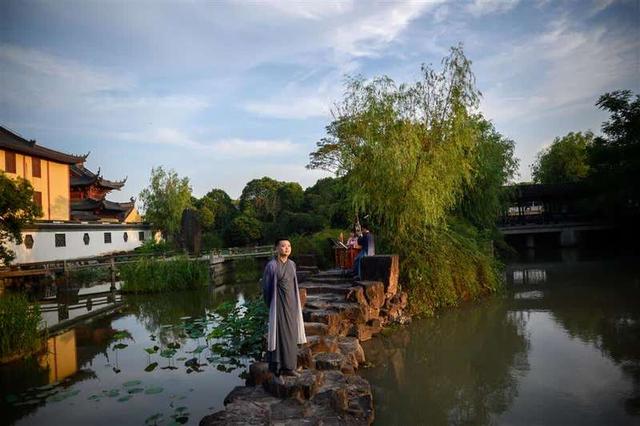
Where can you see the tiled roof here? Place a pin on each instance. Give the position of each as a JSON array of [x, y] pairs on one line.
[[11, 141]]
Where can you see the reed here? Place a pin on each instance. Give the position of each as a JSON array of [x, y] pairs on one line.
[[19, 322], [159, 275]]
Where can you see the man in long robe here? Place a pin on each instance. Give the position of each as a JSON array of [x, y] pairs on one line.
[[286, 326]]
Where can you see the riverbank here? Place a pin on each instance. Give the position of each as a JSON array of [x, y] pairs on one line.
[[339, 314]]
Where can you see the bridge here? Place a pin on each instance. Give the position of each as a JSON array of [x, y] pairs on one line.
[[562, 209]]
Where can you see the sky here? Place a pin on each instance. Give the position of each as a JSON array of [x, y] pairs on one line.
[[224, 92]]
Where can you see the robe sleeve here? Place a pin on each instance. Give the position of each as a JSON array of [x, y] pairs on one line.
[[267, 285]]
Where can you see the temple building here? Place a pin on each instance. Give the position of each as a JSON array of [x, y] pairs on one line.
[[77, 218]]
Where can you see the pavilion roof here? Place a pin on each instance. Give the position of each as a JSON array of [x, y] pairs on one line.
[[12, 141], [81, 176]]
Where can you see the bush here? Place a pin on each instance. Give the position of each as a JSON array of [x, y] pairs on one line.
[[19, 323], [155, 275], [153, 247], [211, 240]]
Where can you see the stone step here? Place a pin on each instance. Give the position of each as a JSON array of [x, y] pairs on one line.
[[329, 279], [304, 386], [315, 288], [315, 329], [329, 361]]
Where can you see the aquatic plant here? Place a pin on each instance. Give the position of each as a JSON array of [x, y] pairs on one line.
[[239, 329], [157, 275], [19, 322]]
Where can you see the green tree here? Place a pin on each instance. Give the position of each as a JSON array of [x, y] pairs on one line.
[[165, 199], [290, 197], [408, 154], [329, 198], [614, 157], [244, 229], [495, 165], [17, 209], [565, 161], [259, 198]]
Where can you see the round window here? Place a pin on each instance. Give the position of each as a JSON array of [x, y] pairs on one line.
[[28, 241], [126, 237], [86, 239]]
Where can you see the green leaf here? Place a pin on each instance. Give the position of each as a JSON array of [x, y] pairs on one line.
[[153, 390]]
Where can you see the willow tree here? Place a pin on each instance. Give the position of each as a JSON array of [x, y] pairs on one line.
[[408, 152]]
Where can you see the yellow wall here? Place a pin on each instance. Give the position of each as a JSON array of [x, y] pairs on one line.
[[133, 216], [54, 188]]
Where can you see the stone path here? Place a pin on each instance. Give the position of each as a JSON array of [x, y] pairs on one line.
[[339, 313]]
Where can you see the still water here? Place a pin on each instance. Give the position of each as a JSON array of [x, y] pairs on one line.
[[99, 372], [561, 347]]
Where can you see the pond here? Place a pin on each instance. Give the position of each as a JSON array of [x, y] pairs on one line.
[[562, 346], [146, 363]]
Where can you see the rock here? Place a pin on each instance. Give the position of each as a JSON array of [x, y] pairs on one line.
[[375, 325], [329, 361], [356, 294], [331, 318], [303, 387], [382, 268], [322, 344], [315, 329], [374, 292], [258, 373], [361, 331], [352, 350], [302, 292], [305, 357], [355, 313]]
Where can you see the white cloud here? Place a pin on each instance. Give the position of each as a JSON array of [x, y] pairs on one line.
[[231, 148], [487, 7]]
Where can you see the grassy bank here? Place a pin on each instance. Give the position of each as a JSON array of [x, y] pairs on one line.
[[19, 323], [157, 275]]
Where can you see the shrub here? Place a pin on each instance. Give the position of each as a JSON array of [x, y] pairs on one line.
[[318, 244], [19, 323], [155, 275]]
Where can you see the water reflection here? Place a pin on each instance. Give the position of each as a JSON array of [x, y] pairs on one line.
[[90, 370], [562, 347]]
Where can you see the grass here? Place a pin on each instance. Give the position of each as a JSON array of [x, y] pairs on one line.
[[159, 275], [19, 323]]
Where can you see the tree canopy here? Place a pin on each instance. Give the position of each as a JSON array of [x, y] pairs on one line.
[[17, 209], [565, 161], [165, 199]]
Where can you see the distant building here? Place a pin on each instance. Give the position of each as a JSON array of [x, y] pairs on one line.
[[77, 219]]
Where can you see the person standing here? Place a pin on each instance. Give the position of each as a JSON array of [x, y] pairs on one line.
[[286, 326], [368, 248]]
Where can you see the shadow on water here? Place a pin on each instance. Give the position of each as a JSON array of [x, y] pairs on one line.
[[562, 346]]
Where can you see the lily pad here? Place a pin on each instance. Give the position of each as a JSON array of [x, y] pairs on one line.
[[124, 398], [152, 420], [151, 367], [167, 353], [151, 350], [135, 390], [154, 390], [198, 349], [120, 346], [131, 383]]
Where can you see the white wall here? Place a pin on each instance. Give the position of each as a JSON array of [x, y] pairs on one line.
[[44, 247]]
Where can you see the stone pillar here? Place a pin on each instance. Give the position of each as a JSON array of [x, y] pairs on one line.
[[385, 268], [568, 237]]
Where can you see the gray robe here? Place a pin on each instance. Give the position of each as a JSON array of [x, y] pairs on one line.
[[286, 325]]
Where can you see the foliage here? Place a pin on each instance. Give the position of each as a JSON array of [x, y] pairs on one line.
[[91, 275], [406, 150], [565, 161], [154, 247], [17, 208], [484, 197], [614, 157], [317, 244], [240, 328], [260, 198], [243, 230], [216, 209], [329, 198], [211, 240], [409, 153], [165, 199], [153, 275], [19, 323]]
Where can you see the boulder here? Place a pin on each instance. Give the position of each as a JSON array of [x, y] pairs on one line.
[[385, 268], [322, 344], [361, 331], [356, 294], [302, 292], [305, 357], [315, 329], [329, 360], [258, 373], [374, 292], [352, 350]]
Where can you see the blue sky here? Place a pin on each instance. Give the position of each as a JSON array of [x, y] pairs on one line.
[[224, 92]]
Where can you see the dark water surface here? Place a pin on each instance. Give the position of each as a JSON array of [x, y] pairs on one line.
[[561, 348], [98, 373]]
